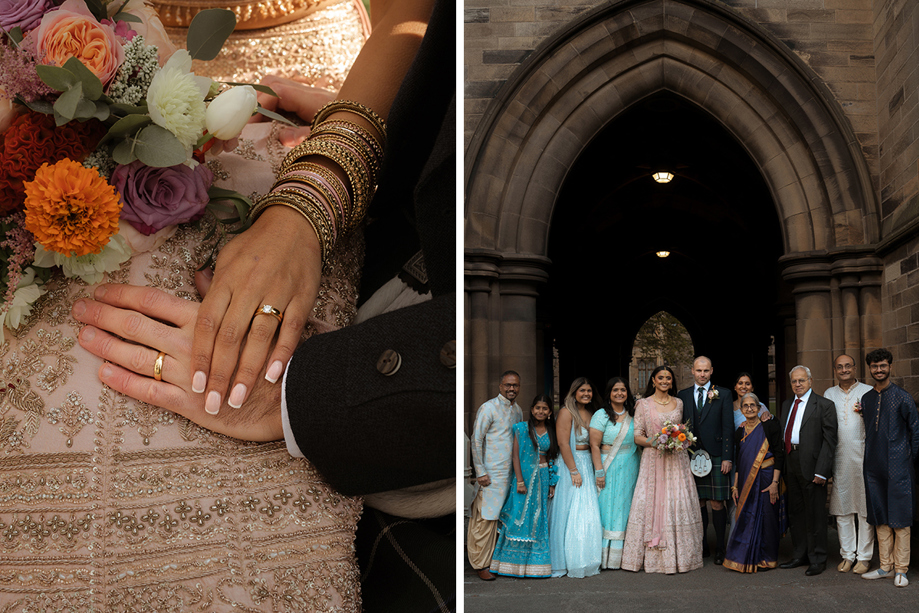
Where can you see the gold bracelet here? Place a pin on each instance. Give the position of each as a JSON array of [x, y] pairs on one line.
[[352, 167], [330, 177], [356, 108], [319, 222], [311, 181], [357, 136]]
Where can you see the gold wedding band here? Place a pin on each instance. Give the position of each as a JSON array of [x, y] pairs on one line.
[[158, 366], [267, 309]]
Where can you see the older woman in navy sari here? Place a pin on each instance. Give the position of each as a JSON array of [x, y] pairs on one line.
[[759, 511]]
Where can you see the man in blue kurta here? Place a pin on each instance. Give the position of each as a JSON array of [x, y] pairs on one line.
[[891, 448], [492, 450]]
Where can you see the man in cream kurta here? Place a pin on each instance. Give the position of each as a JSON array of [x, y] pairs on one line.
[[847, 498], [492, 449]]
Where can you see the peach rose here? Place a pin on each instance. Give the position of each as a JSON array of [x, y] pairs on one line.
[[72, 31], [150, 26]]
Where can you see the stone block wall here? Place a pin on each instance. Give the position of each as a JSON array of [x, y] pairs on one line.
[[835, 37], [896, 29]]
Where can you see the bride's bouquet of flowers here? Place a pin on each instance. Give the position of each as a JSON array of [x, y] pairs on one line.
[[674, 437], [102, 121]]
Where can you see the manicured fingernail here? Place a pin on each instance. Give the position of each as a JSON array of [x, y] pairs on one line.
[[106, 372], [89, 333], [79, 307], [237, 396], [274, 371], [212, 404], [100, 291], [198, 382]]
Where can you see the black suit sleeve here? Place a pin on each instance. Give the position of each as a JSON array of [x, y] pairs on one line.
[[829, 433], [367, 432], [776, 444], [727, 425]]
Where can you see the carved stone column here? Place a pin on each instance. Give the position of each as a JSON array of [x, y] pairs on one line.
[[501, 293]]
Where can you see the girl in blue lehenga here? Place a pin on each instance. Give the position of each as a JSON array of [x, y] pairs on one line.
[[616, 459], [522, 548], [575, 532], [759, 516]]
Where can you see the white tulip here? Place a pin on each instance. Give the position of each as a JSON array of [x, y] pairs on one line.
[[228, 113]]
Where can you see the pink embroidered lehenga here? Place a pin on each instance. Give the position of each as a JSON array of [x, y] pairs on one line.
[[108, 504], [664, 533]]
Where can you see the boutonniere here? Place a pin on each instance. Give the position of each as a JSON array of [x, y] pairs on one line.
[[713, 395], [857, 407]]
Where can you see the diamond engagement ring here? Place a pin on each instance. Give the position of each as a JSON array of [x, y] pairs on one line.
[[267, 309]]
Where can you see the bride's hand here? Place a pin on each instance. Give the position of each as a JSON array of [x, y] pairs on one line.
[[292, 97], [276, 262], [152, 321]]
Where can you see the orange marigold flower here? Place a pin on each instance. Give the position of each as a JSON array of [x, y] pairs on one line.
[[682, 437], [664, 430], [71, 209]]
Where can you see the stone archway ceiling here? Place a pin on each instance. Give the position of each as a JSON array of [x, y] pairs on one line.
[[618, 55]]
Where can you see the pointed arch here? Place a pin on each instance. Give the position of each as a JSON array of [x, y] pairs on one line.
[[616, 55]]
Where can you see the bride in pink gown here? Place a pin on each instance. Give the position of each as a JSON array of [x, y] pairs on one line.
[[664, 533]]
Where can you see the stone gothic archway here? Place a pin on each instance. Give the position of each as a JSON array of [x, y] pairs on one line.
[[601, 65]]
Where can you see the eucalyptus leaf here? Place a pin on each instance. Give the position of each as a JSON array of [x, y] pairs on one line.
[[92, 86], [85, 109], [275, 116], [208, 31], [122, 16], [158, 147], [123, 153], [97, 8], [39, 106], [257, 87], [102, 111], [57, 78], [67, 102], [59, 119], [120, 108], [126, 126]]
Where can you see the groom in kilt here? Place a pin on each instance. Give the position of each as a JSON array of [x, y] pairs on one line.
[[709, 411]]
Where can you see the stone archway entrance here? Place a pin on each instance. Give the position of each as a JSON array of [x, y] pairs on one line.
[[524, 160]]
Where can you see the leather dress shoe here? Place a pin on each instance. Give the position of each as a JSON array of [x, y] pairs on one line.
[[485, 574], [719, 558], [815, 569], [794, 563]]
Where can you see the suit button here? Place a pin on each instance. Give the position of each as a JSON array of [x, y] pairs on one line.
[[448, 354], [389, 362]]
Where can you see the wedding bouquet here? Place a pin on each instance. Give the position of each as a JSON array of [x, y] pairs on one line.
[[674, 437], [102, 121]]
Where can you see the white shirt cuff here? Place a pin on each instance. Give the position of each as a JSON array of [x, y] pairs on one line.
[[821, 476], [292, 447]]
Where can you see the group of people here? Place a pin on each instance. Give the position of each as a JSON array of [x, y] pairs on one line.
[[630, 484]]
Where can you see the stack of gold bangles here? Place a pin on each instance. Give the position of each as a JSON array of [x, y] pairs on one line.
[[331, 206]]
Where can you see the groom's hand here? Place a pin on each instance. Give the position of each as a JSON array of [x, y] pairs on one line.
[[150, 321]]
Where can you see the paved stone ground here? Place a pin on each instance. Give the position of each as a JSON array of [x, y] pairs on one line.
[[774, 591]]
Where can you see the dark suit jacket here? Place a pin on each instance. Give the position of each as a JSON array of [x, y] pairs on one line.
[[714, 429], [364, 431], [817, 437]]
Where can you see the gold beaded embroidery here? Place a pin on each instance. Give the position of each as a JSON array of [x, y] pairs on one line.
[[110, 504]]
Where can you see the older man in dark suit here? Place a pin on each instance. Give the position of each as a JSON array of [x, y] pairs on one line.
[[709, 411], [810, 444]]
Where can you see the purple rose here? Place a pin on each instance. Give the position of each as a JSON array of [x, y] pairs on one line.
[[23, 13], [154, 198]]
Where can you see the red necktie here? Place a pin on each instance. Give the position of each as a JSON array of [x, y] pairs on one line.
[[791, 426]]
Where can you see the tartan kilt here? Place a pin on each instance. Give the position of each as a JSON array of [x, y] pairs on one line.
[[715, 485]]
